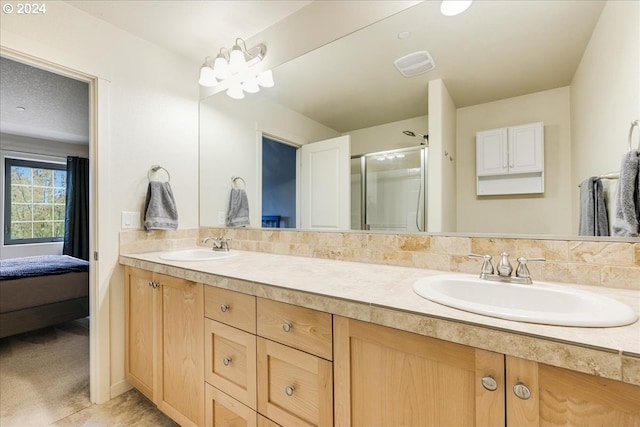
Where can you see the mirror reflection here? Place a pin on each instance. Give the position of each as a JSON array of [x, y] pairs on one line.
[[498, 65]]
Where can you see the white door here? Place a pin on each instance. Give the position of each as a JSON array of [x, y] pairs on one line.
[[325, 189]]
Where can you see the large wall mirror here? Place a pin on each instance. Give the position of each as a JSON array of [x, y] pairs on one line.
[[572, 65]]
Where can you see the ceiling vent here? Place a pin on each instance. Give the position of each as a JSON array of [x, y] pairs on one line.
[[415, 63]]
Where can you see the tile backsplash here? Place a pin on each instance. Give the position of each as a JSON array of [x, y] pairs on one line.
[[611, 263]]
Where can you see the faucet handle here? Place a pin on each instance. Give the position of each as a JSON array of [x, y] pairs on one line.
[[487, 267], [522, 270]]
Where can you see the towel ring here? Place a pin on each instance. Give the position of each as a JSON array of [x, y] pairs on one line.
[[237, 178], [156, 168], [634, 124]]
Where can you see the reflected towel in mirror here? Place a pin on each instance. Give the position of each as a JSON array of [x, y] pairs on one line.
[[593, 210], [238, 214], [160, 212], [627, 214]]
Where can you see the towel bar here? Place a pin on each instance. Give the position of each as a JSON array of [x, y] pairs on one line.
[[238, 178], [634, 124], [156, 168]]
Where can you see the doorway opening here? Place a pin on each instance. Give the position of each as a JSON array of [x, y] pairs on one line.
[[278, 184]]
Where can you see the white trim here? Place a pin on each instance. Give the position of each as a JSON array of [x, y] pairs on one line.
[[119, 388], [99, 333]]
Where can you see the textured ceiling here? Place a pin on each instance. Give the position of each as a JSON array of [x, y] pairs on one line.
[[56, 108]]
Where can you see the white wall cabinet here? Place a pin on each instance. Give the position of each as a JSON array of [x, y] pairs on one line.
[[510, 160]]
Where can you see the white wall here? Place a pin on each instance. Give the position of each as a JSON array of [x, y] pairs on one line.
[[151, 102], [549, 213], [605, 95], [441, 171], [388, 136], [33, 149], [230, 145]]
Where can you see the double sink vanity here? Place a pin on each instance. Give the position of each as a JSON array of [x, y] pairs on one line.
[[221, 338]]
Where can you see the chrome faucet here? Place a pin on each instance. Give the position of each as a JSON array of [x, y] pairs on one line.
[[504, 268], [219, 243]]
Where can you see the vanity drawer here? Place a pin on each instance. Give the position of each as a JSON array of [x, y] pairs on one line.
[[294, 387], [230, 307], [305, 329], [230, 361], [224, 411]]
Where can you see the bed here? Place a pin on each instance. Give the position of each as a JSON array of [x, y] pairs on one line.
[[41, 291]]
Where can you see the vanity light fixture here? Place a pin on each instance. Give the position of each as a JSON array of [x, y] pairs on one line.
[[454, 7], [237, 64]]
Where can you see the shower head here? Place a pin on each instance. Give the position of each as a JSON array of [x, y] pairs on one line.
[[410, 133]]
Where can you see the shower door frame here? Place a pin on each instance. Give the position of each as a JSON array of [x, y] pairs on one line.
[[423, 149]]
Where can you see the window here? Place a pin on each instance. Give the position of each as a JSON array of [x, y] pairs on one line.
[[34, 200]]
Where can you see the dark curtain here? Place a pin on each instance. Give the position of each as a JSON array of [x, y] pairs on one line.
[[76, 223]]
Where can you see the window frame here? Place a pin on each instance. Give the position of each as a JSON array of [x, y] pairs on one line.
[[9, 162]]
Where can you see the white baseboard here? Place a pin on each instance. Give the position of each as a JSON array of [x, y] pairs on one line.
[[118, 388]]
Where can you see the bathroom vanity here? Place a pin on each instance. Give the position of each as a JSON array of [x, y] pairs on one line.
[[268, 340]]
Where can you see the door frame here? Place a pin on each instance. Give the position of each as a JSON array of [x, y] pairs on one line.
[[99, 310]]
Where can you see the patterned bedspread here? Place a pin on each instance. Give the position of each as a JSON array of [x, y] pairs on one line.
[[42, 265]]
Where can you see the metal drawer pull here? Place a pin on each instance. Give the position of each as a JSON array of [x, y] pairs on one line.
[[153, 284], [522, 391], [224, 308], [289, 390], [489, 383], [226, 361], [287, 326]]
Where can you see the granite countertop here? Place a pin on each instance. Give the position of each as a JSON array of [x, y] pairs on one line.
[[383, 294]]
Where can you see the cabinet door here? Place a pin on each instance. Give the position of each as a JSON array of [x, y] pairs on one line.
[[224, 411], [386, 377], [526, 148], [492, 155], [567, 398], [179, 388], [139, 329]]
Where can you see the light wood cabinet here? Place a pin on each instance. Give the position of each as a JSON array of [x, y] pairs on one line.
[[176, 354], [222, 410], [562, 397], [231, 308], [386, 377]]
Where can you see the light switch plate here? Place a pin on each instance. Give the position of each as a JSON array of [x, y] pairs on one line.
[[222, 218], [131, 220]]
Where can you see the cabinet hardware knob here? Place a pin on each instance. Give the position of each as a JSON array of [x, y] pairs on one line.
[[522, 391], [289, 390], [151, 283], [224, 308], [287, 326], [226, 361], [489, 383]]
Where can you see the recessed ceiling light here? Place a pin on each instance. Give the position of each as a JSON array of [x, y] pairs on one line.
[[403, 35], [21, 109], [454, 7]]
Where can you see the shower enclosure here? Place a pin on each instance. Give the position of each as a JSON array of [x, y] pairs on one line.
[[388, 190]]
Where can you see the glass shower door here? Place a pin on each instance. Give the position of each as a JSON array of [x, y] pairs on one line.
[[394, 190]]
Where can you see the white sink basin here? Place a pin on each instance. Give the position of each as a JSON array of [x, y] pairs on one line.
[[543, 303], [196, 255]]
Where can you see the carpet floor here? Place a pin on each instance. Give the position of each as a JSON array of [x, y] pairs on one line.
[[44, 381]]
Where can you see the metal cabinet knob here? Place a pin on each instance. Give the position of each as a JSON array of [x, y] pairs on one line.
[[289, 390], [226, 361], [521, 391], [287, 326], [224, 308], [489, 383], [153, 284]]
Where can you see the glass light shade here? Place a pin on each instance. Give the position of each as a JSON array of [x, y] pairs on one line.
[[207, 78], [265, 79], [237, 62], [454, 7], [235, 92], [251, 85], [221, 68]]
